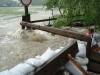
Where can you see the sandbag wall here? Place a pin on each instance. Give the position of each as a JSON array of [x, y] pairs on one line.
[[65, 33]]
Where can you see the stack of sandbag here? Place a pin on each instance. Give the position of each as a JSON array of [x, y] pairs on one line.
[[48, 54], [24, 68], [80, 58], [7, 72], [30, 65], [20, 69], [58, 50]]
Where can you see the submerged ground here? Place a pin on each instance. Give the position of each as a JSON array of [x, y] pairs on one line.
[[17, 50]]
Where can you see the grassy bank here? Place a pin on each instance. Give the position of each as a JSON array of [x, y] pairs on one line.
[[16, 10]]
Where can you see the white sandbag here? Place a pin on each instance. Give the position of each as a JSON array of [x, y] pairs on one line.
[[81, 48], [98, 44], [35, 62], [48, 54], [7, 73], [22, 69], [96, 36], [82, 61], [38, 57], [93, 42], [66, 73], [58, 50], [85, 67], [73, 69]]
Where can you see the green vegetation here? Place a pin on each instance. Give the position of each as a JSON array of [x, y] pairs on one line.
[[13, 11], [86, 12]]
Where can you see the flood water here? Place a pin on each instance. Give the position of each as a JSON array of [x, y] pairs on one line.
[[17, 50]]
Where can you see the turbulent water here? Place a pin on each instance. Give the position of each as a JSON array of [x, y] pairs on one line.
[[15, 50]]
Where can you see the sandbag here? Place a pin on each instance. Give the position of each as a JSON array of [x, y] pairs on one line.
[[93, 42], [73, 69], [58, 50], [48, 54], [22, 69], [63, 71], [82, 61], [38, 57], [81, 48], [35, 62], [7, 72], [84, 67]]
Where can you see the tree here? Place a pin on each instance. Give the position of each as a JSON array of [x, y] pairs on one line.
[[84, 11]]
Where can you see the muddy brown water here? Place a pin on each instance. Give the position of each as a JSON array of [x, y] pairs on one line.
[[17, 50]]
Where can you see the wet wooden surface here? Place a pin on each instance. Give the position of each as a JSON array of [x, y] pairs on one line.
[[93, 73]]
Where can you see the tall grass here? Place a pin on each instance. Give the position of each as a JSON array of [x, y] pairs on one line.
[[14, 11]]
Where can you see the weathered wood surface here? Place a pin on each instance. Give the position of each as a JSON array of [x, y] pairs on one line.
[[58, 31], [88, 49], [94, 67], [94, 62], [77, 65], [95, 56], [57, 61]]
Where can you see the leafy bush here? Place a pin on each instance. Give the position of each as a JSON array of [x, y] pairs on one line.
[[86, 10], [60, 22]]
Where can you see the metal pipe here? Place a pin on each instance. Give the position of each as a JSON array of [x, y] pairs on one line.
[[26, 13], [42, 20]]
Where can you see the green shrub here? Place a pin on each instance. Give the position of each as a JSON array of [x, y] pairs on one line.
[[88, 9]]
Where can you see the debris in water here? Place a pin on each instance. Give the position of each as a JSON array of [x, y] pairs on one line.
[[33, 35]]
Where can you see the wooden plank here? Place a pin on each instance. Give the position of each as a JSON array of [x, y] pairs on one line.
[[94, 56], [65, 33], [57, 61], [95, 67], [88, 49], [76, 64]]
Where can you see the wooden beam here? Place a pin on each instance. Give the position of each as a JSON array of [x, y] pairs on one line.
[[88, 49], [58, 60], [76, 64], [94, 67], [57, 31], [95, 56]]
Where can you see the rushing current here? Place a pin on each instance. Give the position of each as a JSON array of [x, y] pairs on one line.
[[17, 45]]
